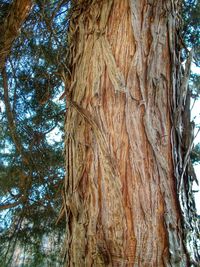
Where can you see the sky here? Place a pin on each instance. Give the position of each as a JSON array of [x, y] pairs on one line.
[[195, 113], [196, 187]]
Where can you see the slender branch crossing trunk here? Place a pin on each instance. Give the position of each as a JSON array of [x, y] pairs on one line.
[[120, 189]]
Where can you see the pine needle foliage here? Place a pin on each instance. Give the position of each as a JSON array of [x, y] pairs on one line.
[[31, 145], [191, 39]]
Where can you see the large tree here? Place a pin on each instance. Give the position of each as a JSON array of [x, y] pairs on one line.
[[128, 136], [127, 193]]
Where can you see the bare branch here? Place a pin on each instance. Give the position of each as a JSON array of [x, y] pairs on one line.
[[9, 205]]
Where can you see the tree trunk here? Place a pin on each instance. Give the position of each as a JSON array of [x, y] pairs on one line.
[[10, 28], [120, 190]]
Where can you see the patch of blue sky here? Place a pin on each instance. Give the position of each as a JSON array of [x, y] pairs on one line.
[[54, 136], [195, 116]]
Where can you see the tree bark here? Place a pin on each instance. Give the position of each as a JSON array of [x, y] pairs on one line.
[[120, 189], [10, 28]]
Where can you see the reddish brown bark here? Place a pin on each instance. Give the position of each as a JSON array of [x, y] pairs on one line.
[[10, 28], [122, 206]]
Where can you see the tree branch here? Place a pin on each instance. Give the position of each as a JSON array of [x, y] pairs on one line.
[[10, 205], [9, 113]]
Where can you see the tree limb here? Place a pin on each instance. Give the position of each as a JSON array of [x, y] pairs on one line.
[[9, 113], [9, 205]]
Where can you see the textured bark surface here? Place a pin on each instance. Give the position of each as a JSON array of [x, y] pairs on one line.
[[120, 189], [10, 28]]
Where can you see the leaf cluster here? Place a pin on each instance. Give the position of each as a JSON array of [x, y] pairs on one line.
[[191, 26], [191, 37], [31, 177]]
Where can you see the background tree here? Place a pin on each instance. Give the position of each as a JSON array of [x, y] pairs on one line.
[[12, 15], [32, 164]]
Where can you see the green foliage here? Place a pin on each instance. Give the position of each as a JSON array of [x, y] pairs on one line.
[[191, 29], [195, 85], [4, 9], [195, 155], [191, 38], [32, 179]]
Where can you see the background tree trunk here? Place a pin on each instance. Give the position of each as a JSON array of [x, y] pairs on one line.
[[120, 189], [10, 26]]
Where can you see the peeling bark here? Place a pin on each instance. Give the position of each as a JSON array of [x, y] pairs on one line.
[[121, 201]]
